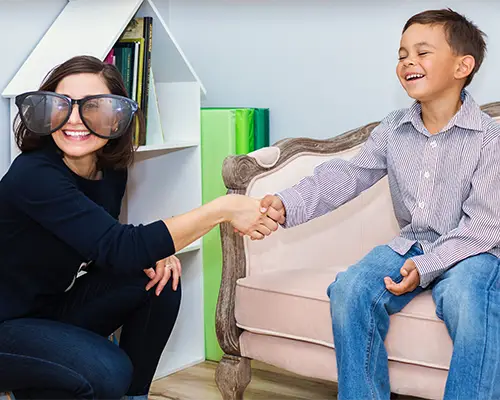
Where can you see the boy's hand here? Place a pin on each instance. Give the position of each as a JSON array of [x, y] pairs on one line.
[[411, 280], [273, 207]]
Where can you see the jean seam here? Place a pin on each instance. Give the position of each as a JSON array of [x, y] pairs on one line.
[[370, 342], [488, 293]]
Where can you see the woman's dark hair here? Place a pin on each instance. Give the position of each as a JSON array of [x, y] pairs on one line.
[[117, 153]]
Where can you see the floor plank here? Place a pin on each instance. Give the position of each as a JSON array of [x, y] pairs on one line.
[[197, 383]]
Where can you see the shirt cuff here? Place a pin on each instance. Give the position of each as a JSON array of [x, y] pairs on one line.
[[294, 207], [429, 267]]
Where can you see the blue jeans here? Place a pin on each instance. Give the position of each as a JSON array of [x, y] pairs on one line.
[[467, 299], [62, 351]]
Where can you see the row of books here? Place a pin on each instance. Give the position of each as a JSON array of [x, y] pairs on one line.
[[132, 56]]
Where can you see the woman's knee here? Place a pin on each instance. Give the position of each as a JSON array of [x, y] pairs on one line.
[[112, 374]]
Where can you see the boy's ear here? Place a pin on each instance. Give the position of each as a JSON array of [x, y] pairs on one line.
[[465, 66]]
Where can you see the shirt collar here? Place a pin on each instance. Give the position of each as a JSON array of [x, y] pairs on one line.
[[467, 117]]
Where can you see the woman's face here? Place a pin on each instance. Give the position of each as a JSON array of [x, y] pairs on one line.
[[74, 139]]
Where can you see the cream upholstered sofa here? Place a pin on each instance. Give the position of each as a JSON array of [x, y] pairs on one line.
[[273, 305]]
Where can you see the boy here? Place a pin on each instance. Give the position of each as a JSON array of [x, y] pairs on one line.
[[442, 158]]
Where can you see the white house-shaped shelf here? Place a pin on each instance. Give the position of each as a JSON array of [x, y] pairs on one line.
[[92, 27]]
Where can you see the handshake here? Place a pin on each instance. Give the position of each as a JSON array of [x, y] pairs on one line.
[[255, 218]]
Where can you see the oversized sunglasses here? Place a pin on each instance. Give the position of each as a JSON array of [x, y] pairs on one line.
[[107, 116]]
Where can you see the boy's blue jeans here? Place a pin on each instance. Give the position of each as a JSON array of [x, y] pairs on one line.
[[467, 299]]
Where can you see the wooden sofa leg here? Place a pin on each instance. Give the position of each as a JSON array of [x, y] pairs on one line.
[[233, 374]]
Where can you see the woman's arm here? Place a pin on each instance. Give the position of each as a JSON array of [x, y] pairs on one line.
[[241, 211], [44, 191]]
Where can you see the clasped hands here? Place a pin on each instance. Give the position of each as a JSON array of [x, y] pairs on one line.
[[258, 218]]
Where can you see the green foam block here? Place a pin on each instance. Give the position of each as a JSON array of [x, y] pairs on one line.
[[218, 140], [261, 128], [244, 130]]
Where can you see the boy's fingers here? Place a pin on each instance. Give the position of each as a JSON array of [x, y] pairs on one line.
[[407, 267], [396, 288], [275, 215], [388, 281], [266, 202]]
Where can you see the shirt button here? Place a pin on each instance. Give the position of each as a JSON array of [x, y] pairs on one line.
[[433, 144], [427, 174], [421, 204]]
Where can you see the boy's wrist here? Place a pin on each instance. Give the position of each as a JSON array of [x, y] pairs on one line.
[[429, 267]]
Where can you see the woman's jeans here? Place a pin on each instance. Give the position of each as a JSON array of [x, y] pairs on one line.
[[467, 299], [62, 352]]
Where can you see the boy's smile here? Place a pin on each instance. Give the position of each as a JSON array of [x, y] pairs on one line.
[[427, 65]]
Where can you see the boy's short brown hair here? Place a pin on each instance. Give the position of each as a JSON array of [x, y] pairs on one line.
[[462, 35]]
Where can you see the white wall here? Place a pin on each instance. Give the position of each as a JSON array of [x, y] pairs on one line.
[[22, 24], [322, 67]]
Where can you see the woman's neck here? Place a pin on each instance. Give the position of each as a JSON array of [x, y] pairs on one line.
[[86, 166]]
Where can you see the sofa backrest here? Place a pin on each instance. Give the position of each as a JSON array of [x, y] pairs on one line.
[[339, 238]]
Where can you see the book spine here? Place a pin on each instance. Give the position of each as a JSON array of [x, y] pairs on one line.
[[148, 45], [128, 67]]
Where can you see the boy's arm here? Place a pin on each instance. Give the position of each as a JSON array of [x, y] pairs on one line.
[[337, 181], [479, 228]]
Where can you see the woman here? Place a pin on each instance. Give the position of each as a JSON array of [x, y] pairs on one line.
[[59, 207]]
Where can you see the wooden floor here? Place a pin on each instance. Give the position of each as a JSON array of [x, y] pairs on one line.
[[197, 383]]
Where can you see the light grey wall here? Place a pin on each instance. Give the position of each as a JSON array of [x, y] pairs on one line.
[[322, 66], [22, 24]]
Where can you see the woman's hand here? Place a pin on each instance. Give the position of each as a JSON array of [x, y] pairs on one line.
[[273, 207], [245, 215], [166, 268]]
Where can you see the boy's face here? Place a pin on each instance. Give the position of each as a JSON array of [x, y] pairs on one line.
[[427, 66]]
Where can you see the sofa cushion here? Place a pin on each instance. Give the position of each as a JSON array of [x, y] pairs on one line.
[[294, 304]]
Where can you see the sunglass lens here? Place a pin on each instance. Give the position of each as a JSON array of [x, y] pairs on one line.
[[43, 113], [108, 117]]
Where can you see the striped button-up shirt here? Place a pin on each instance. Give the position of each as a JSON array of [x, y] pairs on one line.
[[445, 187]]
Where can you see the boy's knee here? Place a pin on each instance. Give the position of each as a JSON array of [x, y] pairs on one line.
[[348, 292], [458, 304]]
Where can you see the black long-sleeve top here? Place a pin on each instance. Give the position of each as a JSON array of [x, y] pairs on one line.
[[52, 221]]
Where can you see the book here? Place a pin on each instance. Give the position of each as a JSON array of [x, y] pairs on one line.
[[142, 29], [137, 85], [124, 63]]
